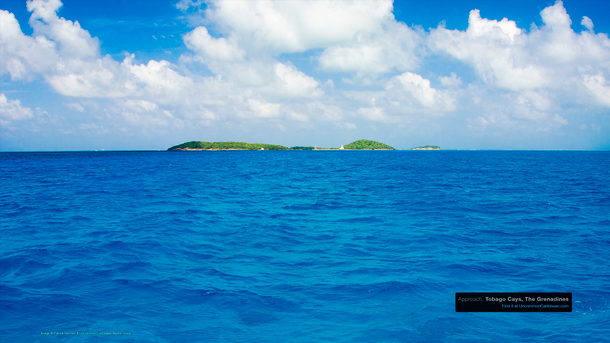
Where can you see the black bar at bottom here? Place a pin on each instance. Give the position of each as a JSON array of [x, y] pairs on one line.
[[513, 302]]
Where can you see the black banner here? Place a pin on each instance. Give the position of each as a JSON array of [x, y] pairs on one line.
[[513, 302]]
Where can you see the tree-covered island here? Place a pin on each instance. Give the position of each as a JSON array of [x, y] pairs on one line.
[[196, 146], [362, 144], [365, 144]]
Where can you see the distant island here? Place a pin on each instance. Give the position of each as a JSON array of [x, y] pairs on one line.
[[427, 147], [363, 144], [198, 146]]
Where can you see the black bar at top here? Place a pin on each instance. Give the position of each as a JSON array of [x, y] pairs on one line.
[[513, 302]]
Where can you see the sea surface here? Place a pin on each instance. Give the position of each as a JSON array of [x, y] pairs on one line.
[[300, 246]]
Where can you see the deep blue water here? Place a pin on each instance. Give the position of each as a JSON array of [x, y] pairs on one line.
[[301, 246]]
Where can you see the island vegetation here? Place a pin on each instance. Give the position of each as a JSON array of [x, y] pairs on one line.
[[195, 145], [365, 144], [427, 147], [362, 144]]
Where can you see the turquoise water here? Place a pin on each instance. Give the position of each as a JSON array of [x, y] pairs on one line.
[[300, 246]]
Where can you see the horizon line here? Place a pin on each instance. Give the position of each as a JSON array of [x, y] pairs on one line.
[[323, 149]]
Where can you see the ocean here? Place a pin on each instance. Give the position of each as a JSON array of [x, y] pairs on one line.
[[300, 246]]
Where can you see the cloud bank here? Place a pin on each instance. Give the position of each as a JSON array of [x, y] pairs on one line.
[[365, 68]]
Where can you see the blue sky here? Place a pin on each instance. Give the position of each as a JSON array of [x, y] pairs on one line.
[[123, 75]]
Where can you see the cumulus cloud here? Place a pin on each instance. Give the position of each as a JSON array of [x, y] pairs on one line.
[[391, 48], [68, 58], [23, 56], [550, 57], [43, 9], [263, 109], [415, 92], [521, 77], [159, 80], [522, 112], [200, 41], [450, 81], [597, 85], [587, 22], [291, 82], [495, 49], [72, 40], [363, 37], [537, 100], [11, 110], [62, 52], [357, 36], [296, 26], [326, 112], [71, 62], [88, 78]]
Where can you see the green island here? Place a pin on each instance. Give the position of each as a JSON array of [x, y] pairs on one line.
[[362, 144], [427, 147], [365, 144], [196, 145]]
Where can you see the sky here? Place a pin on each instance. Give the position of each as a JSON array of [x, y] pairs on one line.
[[147, 75]]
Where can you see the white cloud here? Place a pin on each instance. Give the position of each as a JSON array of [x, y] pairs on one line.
[[267, 78], [69, 60], [511, 114], [23, 56], [325, 112], [525, 78], [62, 52], [200, 41], [43, 9], [415, 91], [160, 81], [357, 36], [537, 100], [11, 110], [596, 84], [140, 106], [551, 59], [450, 81], [263, 109], [72, 40], [379, 52], [587, 22], [291, 82], [76, 107], [72, 64], [296, 26], [102, 77], [494, 48], [375, 114]]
